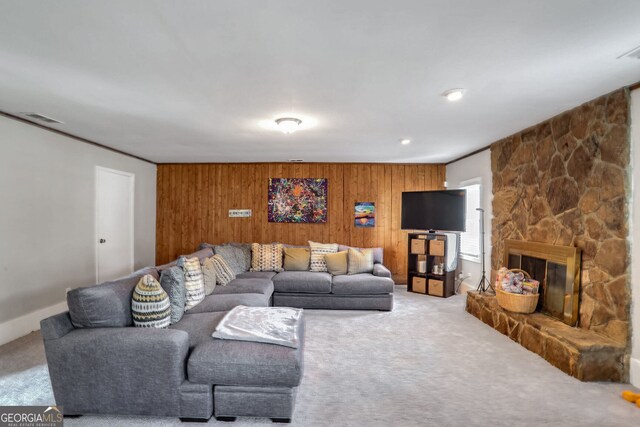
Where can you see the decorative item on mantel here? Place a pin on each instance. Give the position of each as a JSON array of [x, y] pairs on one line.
[[516, 291]]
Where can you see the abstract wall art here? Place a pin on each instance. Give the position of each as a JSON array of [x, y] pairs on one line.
[[298, 200], [365, 214]]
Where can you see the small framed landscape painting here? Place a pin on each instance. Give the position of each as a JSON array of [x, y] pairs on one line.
[[301, 200], [365, 214]]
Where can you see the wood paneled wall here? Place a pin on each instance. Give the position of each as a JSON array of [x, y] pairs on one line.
[[194, 200]]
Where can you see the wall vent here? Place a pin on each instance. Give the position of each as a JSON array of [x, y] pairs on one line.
[[633, 53], [42, 118], [296, 160]]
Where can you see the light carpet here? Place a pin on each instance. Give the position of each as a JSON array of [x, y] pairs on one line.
[[426, 363]]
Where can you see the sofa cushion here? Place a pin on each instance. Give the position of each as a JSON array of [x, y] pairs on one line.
[[244, 363], [266, 257], [243, 253], [246, 286], [360, 261], [193, 281], [199, 326], [107, 305], [232, 255], [257, 275], [172, 281], [201, 254], [337, 263], [303, 282], [224, 273], [377, 253], [150, 306], [361, 284], [296, 259], [318, 251], [225, 302]]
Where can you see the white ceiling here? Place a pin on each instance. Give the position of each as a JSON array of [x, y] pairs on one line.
[[189, 81]]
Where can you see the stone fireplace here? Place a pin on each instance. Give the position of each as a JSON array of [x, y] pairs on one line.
[[566, 182]]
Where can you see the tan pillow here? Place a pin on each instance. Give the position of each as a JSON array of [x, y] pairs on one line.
[[336, 263], [360, 261], [209, 271], [296, 259]]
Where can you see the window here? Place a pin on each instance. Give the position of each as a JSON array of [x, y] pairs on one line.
[[470, 239]]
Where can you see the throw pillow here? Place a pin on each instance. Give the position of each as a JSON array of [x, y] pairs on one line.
[[224, 273], [243, 253], [230, 255], [336, 263], [150, 306], [172, 281], [266, 257], [296, 259], [318, 251], [193, 281], [209, 273], [360, 261]]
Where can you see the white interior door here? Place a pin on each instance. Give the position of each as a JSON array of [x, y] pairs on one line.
[[114, 224]]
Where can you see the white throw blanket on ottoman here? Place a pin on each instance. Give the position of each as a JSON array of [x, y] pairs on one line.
[[271, 325]]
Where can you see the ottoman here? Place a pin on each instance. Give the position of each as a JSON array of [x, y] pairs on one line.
[[249, 378]]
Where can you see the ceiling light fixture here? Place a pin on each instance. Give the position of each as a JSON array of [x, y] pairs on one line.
[[454, 94], [405, 141], [288, 124]]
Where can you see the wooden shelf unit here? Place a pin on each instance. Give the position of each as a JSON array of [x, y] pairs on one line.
[[431, 248]]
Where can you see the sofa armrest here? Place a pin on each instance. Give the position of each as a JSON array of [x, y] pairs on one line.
[[57, 326], [381, 271], [118, 370]]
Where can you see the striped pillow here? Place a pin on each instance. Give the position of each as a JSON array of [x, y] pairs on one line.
[[318, 251], [360, 261], [224, 273], [150, 306], [193, 281], [266, 257]]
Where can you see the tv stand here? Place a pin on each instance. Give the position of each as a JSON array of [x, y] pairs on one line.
[[427, 249]]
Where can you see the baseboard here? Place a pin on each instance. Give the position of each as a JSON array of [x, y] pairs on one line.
[[23, 325], [466, 287], [634, 372]]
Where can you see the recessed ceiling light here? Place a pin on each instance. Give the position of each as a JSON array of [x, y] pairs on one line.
[[454, 94], [405, 141], [288, 124]]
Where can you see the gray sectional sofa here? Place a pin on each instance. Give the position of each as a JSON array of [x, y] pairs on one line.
[[99, 364]]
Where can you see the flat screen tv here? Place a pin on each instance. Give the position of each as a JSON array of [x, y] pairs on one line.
[[443, 210]]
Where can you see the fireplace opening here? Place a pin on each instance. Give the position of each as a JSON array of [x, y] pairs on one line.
[[557, 268]]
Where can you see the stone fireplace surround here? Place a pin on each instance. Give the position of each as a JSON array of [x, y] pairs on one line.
[[566, 181]]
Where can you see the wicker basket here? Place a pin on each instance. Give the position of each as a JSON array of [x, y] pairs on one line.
[[517, 303]]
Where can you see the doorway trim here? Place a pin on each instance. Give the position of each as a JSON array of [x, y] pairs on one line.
[[96, 232]]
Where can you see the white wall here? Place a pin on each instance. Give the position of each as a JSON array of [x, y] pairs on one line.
[[476, 166], [47, 236], [635, 238]]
